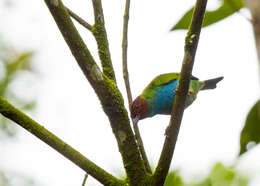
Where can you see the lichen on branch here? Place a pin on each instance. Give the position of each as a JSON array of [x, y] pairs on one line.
[[104, 85], [99, 32]]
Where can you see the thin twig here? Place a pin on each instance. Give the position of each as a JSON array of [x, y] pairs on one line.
[[124, 52], [85, 179], [172, 131], [79, 19], [141, 148], [12, 113], [127, 85]]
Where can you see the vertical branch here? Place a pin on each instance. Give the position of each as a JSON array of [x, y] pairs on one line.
[[127, 85], [172, 131], [254, 7], [124, 53], [99, 32]]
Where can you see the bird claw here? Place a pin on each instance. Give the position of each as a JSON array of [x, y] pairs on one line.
[[191, 91]]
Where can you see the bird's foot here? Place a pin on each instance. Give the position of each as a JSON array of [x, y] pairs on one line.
[[191, 91]]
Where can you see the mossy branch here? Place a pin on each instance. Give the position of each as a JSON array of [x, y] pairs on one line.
[[75, 42], [104, 85], [99, 32], [127, 85], [172, 131], [9, 111]]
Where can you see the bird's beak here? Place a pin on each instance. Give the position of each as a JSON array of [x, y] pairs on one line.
[[136, 119]]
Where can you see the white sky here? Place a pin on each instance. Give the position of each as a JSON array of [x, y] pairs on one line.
[[69, 108]]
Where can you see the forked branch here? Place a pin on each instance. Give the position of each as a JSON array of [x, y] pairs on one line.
[[103, 83]]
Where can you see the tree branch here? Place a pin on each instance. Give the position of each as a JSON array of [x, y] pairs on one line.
[[99, 32], [106, 90], [127, 85], [254, 7], [75, 42], [172, 131], [79, 19], [9, 111], [124, 53], [85, 179]]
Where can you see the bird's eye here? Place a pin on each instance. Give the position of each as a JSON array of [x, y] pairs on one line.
[[137, 106]]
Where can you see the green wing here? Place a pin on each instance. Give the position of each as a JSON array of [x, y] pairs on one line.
[[164, 79], [158, 81]]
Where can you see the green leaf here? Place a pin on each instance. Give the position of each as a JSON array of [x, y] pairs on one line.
[[173, 178], [22, 62], [251, 131], [219, 175], [226, 176], [227, 8], [29, 106], [12, 63], [223, 176]]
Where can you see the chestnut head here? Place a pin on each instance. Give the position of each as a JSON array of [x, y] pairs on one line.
[[139, 109]]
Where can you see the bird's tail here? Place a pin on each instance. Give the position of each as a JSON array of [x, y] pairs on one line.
[[211, 83]]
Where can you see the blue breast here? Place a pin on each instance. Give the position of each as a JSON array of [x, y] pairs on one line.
[[164, 98]]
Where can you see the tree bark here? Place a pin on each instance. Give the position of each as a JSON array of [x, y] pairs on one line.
[[172, 131]]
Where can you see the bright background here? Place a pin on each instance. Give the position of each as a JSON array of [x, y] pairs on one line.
[[68, 107]]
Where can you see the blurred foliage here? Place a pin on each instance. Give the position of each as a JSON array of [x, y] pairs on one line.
[[13, 65], [173, 179], [7, 4], [3, 179], [220, 175], [14, 179], [227, 8], [250, 134]]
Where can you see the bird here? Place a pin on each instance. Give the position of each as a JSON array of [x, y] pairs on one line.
[[158, 96]]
